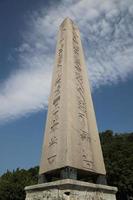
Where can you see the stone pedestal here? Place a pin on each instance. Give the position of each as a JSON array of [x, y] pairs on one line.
[[69, 189]]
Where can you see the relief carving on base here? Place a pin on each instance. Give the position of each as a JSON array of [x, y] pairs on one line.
[[60, 195]]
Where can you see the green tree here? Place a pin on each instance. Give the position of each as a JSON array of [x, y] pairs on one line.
[[117, 150], [12, 183]]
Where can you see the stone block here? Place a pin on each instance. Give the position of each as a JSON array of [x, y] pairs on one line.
[[68, 189]]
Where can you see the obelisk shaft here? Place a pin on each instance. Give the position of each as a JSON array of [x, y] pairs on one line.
[[71, 135]]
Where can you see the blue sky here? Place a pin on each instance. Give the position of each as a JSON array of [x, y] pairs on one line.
[[27, 45]]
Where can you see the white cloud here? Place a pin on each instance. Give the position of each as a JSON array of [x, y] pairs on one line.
[[25, 91], [107, 34]]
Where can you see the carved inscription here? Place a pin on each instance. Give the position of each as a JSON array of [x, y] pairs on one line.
[[55, 107], [87, 157], [53, 141], [51, 159]]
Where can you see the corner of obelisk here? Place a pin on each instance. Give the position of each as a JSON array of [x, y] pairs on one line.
[[72, 165]]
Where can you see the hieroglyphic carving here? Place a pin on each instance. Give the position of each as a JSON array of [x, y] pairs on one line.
[[55, 107], [82, 110], [53, 141], [51, 159]]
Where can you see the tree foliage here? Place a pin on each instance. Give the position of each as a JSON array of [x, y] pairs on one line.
[[117, 151], [118, 157], [12, 183]]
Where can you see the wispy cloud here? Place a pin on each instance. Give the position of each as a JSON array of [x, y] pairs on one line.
[[107, 34]]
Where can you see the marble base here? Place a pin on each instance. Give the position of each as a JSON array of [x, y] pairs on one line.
[[69, 189]]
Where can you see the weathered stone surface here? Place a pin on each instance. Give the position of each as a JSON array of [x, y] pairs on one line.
[[71, 135], [70, 189]]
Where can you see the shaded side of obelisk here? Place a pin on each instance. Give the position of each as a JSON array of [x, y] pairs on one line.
[[71, 136]]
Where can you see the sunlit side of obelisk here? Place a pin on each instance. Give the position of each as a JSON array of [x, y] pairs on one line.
[[71, 135]]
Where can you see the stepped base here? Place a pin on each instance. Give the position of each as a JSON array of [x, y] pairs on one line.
[[69, 189]]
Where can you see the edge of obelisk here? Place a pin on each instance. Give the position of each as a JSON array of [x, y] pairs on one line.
[[69, 183]]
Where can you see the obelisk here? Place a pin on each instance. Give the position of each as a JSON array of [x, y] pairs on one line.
[[71, 149], [71, 135]]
